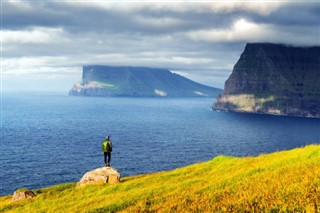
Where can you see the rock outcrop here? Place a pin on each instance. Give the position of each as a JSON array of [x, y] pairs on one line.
[[100, 80], [22, 194], [104, 174], [274, 79]]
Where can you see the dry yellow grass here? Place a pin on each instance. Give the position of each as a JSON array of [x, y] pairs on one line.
[[286, 181]]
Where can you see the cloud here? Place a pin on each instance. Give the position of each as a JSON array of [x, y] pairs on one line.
[[34, 35], [201, 40], [243, 30], [162, 22], [37, 65], [259, 7]]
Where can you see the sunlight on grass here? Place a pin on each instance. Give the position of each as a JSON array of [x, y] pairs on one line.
[[279, 182], [249, 102], [104, 84]]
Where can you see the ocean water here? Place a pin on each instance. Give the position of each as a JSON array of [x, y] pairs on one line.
[[48, 139]]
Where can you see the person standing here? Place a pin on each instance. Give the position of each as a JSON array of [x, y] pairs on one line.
[[107, 149]]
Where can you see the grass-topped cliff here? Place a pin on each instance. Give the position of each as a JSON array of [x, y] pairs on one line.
[[287, 181], [274, 79], [112, 81]]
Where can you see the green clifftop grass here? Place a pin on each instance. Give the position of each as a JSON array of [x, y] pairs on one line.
[[287, 181]]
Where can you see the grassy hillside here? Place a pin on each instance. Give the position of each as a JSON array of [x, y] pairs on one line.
[[286, 181]]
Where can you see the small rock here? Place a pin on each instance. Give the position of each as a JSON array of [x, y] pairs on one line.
[[21, 195], [104, 174]]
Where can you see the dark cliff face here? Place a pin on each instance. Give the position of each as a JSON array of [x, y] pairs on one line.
[[100, 80], [288, 76]]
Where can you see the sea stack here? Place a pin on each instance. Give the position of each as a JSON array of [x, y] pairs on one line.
[[274, 79]]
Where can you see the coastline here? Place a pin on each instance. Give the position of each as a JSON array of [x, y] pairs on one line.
[[263, 183]]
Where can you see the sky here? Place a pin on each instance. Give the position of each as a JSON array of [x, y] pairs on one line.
[[44, 44]]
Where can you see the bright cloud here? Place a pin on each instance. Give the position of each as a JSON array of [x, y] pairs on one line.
[[189, 60], [36, 65], [243, 30], [34, 35]]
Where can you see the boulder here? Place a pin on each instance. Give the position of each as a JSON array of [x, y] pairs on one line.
[[104, 174], [22, 194]]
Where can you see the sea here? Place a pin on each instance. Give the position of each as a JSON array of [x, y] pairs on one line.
[[53, 138]]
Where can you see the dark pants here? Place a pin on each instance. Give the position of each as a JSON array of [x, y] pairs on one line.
[[107, 157]]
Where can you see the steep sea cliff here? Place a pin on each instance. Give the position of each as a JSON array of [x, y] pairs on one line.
[[274, 79], [98, 80]]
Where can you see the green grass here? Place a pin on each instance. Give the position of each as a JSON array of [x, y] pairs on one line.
[[105, 84], [287, 181], [252, 102]]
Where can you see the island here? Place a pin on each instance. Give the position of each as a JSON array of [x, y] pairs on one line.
[[113, 81], [274, 79]]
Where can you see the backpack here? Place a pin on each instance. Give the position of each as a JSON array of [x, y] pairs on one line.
[[109, 146], [106, 146]]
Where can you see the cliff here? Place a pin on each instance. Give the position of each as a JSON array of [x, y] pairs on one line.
[[274, 79], [137, 82]]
